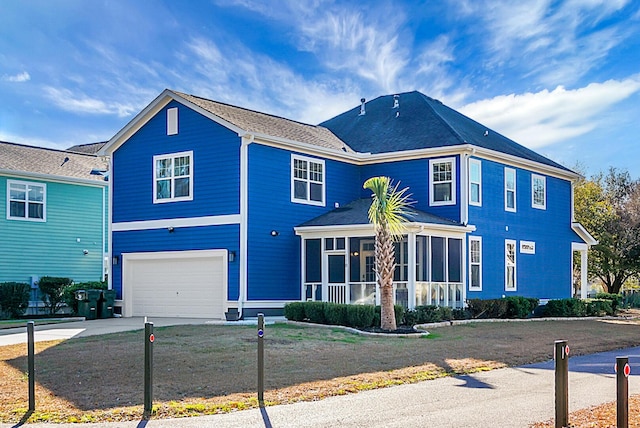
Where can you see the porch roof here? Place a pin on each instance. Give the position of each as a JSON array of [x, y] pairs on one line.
[[356, 213]]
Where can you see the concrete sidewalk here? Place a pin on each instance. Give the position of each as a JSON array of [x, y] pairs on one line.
[[514, 397]]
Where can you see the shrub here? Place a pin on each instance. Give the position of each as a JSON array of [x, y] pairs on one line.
[[314, 312], [520, 307], [335, 314], [14, 298], [461, 314], [488, 308], [52, 289], [294, 311], [399, 312], [360, 316], [632, 300], [69, 294], [598, 308], [446, 313], [616, 300], [566, 308]]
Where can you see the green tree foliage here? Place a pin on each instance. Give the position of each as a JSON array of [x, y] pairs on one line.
[[608, 206], [53, 289], [14, 298]]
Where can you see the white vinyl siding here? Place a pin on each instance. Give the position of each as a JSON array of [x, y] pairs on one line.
[[442, 181], [510, 283], [172, 121], [26, 201], [475, 182], [173, 177], [307, 180], [510, 189], [475, 263], [538, 191]]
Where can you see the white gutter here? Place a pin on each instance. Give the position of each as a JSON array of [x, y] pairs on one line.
[[244, 219], [54, 178]]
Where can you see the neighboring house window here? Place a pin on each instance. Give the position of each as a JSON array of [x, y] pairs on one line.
[[172, 121], [307, 180], [26, 201], [510, 265], [475, 263], [475, 182], [173, 177], [443, 186], [538, 191], [510, 189]]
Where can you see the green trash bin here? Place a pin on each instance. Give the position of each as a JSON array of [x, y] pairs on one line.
[[88, 303], [105, 304]]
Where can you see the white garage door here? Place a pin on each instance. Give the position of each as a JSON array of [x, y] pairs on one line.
[[189, 284]]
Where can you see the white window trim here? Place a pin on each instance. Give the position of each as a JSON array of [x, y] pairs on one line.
[[44, 199], [432, 202], [172, 121], [479, 183], [542, 206], [308, 200], [191, 175], [506, 191], [507, 265], [478, 239]]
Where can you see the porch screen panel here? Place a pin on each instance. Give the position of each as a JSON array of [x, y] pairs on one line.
[[422, 258], [336, 269], [354, 265], [313, 260], [455, 260], [437, 259]]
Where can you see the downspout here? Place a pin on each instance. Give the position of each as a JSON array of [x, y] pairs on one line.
[[244, 218]]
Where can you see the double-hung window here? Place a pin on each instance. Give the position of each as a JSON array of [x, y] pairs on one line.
[[442, 177], [26, 201], [475, 263], [510, 265], [307, 180], [173, 177], [510, 189], [538, 191], [475, 182]]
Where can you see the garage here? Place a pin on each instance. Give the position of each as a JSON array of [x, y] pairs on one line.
[[188, 284]]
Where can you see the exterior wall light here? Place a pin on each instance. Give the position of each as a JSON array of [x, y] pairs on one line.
[[275, 233]]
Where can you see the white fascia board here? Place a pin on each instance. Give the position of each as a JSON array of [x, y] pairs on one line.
[[54, 178], [357, 230], [219, 220], [584, 234]]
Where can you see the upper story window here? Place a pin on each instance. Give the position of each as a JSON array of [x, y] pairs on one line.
[[442, 179], [173, 177], [510, 189], [307, 180], [538, 191], [26, 200], [475, 182]]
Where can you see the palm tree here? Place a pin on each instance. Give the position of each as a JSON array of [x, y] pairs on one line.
[[388, 213]]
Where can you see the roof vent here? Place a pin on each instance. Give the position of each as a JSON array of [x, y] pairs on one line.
[[66, 159], [362, 111], [396, 101]]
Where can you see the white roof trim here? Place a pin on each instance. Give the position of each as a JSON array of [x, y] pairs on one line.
[[583, 233], [358, 229], [53, 178]]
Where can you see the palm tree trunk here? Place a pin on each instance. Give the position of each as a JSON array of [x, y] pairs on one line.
[[385, 258]]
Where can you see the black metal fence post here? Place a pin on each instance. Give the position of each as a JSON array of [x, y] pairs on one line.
[[148, 367], [622, 391], [31, 366], [261, 360], [561, 356]]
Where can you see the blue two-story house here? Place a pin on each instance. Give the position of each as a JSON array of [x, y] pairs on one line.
[[216, 209]]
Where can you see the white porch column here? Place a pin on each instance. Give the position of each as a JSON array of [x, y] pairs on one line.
[[584, 283], [411, 266]]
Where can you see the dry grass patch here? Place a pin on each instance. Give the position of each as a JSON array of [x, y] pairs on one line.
[[212, 369]]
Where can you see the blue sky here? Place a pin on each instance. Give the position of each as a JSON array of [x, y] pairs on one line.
[[561, 77]]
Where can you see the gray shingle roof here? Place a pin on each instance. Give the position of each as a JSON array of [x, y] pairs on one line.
[[356, 212], [274, 126], [419, 122], [60, 163], [91, 148]]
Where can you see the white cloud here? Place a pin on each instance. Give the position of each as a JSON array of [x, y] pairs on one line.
[[18, 78], [33, 141], [546, 117], [80, 103]]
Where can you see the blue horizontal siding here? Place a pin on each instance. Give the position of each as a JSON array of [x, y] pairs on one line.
[[274, 262], [216, 168], [182, 239], [548, 272]]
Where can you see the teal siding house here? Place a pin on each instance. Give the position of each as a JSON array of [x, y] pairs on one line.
[[53, 214]]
